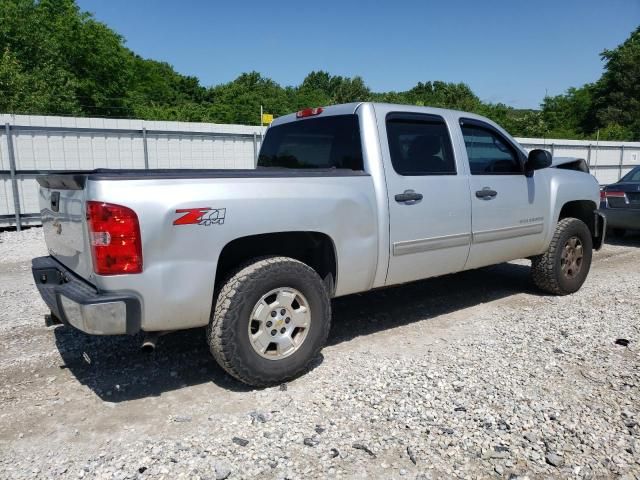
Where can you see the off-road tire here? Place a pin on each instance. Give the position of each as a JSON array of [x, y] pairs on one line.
[[227, 333], [546, 270]]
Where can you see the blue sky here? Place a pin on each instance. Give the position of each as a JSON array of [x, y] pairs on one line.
[[507, 51]]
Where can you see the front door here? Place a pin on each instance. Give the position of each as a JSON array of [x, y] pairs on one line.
[[509, 209], [429, 204]]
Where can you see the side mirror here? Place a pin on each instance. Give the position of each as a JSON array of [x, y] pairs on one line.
[[537, 160]]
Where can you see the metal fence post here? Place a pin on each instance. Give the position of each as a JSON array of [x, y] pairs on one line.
[[144, 146], [255, 149], [14, 181], [621, 161], [589, 156]]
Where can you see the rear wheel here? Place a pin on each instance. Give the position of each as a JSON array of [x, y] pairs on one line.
[[271, 319], [564, 267]]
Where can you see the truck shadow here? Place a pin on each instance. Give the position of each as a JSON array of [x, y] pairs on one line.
[[630, 239], [116, 370], [367, 313]]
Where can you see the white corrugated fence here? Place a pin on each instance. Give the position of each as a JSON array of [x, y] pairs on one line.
[[608, 161], [33, 144]]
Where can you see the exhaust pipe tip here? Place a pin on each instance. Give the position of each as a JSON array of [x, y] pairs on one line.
[[150, 342], [51, 320]]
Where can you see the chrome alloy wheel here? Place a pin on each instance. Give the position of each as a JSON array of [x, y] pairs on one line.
[[279, 323], [571, 259]]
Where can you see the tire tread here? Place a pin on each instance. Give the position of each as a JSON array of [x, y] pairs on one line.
[[543, 267], [220, 335]]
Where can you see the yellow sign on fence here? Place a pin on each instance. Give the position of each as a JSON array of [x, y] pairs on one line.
[[267, 118]]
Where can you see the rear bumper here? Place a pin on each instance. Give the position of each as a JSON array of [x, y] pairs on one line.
[[79, 304], [622, 218]]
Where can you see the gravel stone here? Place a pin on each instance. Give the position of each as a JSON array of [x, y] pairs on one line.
[[545, 389], [240, 441], [364, 448], [259, 417], [554, 459], [182, 419], [412, 456], [222, 471], [311, 442]]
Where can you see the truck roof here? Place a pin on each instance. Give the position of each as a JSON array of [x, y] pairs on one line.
[[351, 108]]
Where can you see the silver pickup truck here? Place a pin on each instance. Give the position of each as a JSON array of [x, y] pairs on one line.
[[345, 199]]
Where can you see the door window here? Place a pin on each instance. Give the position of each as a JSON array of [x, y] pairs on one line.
[[489, 153], [420, 145]]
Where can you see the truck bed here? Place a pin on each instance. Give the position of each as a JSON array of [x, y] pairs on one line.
[[76, 180], [180, 259]]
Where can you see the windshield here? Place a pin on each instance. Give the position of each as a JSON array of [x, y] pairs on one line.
[[632, 176], [329, 142]]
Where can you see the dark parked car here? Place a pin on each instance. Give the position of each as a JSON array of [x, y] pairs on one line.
[[620, 202]]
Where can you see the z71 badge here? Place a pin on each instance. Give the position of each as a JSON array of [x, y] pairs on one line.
[[200, 216]]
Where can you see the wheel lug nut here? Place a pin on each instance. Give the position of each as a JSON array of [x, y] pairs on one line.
[[269, 323], [282, 330], [274, 313], [287, 320], [283, 311], [273, 332]]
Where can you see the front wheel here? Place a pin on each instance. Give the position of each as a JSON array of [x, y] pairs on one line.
[[271, 319], [564, 267]]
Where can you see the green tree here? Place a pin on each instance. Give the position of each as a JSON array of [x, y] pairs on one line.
[[157, 91], [611, 105], [53, 42], [446, 95], [239, 101], [569, 115], [351, 90], [42, 90], [321, 88], [617, 93], [57, 59]]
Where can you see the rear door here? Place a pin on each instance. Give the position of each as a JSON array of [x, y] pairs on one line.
[[509, 209], [429, 204]]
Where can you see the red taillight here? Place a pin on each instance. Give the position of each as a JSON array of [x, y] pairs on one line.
[[614, 194], [309, 112], [114, 234], [603, 195]]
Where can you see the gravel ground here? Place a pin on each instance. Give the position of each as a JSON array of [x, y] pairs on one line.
[[475, 375]]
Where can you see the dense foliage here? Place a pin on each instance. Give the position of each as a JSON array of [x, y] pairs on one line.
[[56, 59]]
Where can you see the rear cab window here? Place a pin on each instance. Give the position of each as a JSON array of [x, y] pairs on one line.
[[331, 142]]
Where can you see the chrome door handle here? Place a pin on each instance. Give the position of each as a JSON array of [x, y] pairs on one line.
[[408, 197], [486, 193]]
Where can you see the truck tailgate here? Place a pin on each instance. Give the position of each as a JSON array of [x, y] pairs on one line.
[[62, 209]]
